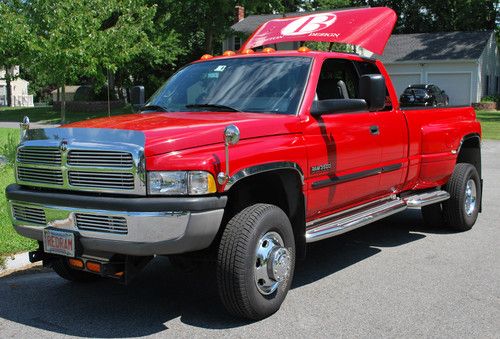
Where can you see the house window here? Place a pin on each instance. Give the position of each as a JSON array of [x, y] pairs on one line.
[[487, 89], [3, 96], [237, 43]]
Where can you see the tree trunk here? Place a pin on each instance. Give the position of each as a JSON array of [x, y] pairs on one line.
[[8, 80], [63, 104]]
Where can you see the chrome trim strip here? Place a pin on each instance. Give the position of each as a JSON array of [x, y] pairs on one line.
[[272, 166], [88, 139], [355, 176]]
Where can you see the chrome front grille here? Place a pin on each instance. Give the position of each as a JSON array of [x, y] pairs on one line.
[[40, 175], [101, 223], [111, 180], [93, 158], [29, 214], [80, 169], [39, 155]]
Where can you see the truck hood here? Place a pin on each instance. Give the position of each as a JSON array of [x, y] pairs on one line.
[[167, 132]]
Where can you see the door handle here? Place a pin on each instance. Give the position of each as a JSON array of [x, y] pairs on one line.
[[374, 130]]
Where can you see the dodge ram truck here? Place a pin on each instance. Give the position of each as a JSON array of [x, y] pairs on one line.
[[245, 158]]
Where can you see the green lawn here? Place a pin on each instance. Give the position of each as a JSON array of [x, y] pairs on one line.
[[490, 122], [50, 116], [10, 241]]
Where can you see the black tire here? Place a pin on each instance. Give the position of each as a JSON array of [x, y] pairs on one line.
[[452, 213], [236, 261], [61, 267]]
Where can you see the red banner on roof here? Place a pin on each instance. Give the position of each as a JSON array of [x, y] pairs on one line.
[[369, 28]]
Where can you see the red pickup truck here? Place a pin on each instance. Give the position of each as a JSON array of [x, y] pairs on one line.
[[243, 159]]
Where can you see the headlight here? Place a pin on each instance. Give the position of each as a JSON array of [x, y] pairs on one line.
[[181, 183]]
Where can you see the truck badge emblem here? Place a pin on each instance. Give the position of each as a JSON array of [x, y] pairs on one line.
[[321, 168], [63, 146]]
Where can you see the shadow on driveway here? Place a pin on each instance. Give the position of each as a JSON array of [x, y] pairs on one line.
[[160, 293]]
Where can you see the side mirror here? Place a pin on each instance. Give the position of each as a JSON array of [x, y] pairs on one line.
[[372, 89], [137, 98], [330, 106]]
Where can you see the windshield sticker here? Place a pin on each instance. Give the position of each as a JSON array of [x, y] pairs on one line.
[[220, 68], [213, 75]]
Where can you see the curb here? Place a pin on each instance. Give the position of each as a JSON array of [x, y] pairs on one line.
[[16, 262]]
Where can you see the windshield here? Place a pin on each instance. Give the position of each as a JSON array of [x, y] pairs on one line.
[[255, 84]]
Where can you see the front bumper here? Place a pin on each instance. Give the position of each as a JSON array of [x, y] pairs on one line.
[[131, 226]]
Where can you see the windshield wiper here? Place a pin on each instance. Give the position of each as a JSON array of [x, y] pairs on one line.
[[214, 106], [156, 108]]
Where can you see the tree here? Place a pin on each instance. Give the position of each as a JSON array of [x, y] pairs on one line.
[[77, 39], [15, 41]]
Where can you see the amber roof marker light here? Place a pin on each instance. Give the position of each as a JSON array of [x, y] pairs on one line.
[[248, 51], [268, 50], [303, 49], [229, 53], [206, 57]]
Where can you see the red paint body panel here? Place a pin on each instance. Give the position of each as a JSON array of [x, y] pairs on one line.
[[369, 28], [416, 145]]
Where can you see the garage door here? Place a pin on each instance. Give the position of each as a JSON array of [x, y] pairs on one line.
[[456, 85], [401, 81]]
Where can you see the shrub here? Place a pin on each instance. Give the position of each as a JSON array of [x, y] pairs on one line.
[[8, 149], [491, 98]]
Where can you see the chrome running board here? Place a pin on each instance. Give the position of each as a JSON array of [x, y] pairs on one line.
[[349, 220], [427, 198]]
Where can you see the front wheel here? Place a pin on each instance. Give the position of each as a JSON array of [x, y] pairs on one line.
[[256, 261]]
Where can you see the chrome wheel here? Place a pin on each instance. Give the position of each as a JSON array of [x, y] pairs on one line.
[[272, 263], [470, 197]]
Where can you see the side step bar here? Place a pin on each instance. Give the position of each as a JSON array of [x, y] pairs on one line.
[[351, 219]]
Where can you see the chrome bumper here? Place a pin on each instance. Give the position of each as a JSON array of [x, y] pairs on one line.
[[144, 233]]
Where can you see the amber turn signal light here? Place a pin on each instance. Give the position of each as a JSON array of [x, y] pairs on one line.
[[206, 57], [228, 53], [76, 263], [303, 49], [93, 266]]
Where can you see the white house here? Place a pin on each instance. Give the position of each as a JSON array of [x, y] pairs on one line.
[[19, 90], [465, 64]]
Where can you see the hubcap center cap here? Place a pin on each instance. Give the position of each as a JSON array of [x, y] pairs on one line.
[[279, 264]]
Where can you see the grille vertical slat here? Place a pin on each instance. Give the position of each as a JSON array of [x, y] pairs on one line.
[[101, 223]]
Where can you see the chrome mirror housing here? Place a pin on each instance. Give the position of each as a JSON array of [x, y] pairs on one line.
[[24, 126]]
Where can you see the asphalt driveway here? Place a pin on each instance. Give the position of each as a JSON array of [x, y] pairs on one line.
[[391, 279]]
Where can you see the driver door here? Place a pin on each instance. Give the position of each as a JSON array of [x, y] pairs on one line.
[[343, 148]]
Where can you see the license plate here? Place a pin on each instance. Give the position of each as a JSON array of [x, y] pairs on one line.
[[59, 242]]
